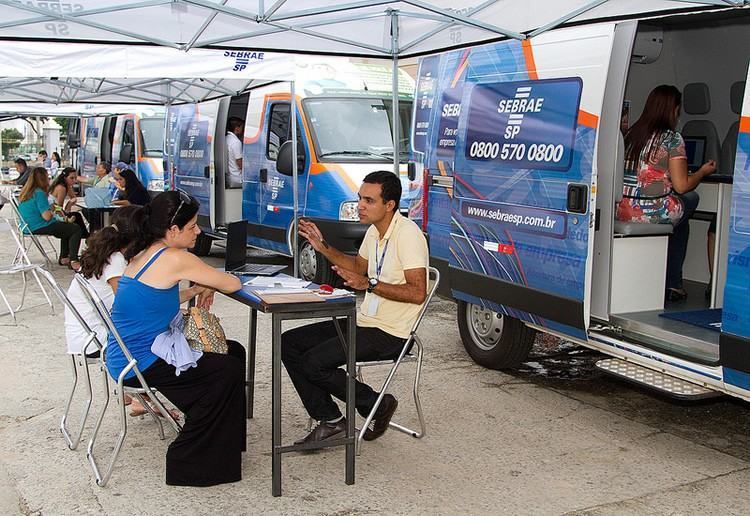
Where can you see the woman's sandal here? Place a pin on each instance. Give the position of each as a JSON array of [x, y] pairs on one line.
[[76, 267], [65, 263], [137, 409]]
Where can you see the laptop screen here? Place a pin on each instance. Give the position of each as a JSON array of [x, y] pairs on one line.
[[236, 245], [695, 149]]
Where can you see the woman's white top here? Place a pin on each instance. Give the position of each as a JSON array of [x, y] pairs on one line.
[[74, 333]]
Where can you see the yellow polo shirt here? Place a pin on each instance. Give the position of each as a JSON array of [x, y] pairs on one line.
[[407, 249]]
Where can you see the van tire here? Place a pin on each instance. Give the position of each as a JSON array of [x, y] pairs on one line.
[[202, 245], [313, 266], [493, 340]]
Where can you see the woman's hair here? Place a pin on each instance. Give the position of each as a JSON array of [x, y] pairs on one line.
[[151, 222], [659, 116], [61, 177], [106, 165], [132, 183], [56, 157], [38, 179], [107, 241]]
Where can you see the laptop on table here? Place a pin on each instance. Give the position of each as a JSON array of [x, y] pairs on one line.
[[236, 255], [695, 150]]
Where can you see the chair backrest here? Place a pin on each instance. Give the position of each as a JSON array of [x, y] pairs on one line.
[[729, 145], [101, 311], [697, 101], [12, 228], [91, 336], [433, 280]]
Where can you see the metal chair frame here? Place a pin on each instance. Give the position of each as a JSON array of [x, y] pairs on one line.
[[404, 356], [79, 360], [21, 264], [138, 392], [25, 232]]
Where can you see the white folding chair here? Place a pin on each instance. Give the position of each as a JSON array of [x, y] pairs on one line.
[[406, 355], [21, 265], [25, 232], [79, 361], [138, 392]]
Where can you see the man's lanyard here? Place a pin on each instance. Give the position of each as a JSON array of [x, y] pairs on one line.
[[379, 263]]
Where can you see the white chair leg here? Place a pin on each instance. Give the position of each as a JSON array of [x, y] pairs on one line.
[[101, 479], [44, 292], [417, 403], [10, 308], [73, 441]]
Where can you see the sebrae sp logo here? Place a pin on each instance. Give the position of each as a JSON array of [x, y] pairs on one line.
[[243, 57]]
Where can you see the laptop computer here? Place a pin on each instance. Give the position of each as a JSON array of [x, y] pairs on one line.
[[236, 256], [695, 150]]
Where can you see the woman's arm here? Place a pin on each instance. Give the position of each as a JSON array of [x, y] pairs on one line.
[[59, 193], [682, 182], [40, 199], [113, 282], [191, 268]]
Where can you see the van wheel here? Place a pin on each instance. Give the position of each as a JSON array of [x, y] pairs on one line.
[[202, 245], [313, 266], [493, 340]]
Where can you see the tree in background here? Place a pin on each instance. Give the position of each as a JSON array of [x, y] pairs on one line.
[[11, 139], [63, 123]]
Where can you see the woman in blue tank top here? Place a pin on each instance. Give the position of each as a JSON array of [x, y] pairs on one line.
[[209, 449]]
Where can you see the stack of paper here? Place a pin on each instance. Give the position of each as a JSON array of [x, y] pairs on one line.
[[264, 282]]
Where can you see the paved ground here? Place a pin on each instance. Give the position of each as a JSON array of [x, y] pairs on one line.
[[553, 438]]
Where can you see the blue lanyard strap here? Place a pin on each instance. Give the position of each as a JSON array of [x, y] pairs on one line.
[[379, 263]]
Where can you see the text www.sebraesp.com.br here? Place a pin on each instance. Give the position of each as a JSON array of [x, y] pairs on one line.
[[545, 222]]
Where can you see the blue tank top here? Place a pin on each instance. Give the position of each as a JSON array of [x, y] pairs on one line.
[[140, 313]]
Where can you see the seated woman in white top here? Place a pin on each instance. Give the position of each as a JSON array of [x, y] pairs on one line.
[[102, 264]]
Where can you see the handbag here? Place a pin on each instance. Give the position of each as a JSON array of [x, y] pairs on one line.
[[203, 331]]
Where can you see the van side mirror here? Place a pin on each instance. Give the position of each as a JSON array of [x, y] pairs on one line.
[[411, 168], [126, 153], [284, 159]]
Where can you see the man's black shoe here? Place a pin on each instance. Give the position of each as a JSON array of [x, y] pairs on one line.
[[325, 431], [383, 416]]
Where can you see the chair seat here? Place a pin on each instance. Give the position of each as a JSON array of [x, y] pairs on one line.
[[407, 358], [641, 229]]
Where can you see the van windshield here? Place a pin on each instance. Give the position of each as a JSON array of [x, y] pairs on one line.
[[152, 132], [356, 129]]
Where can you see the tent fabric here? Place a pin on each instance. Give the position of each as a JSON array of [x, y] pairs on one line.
[[358, 27]]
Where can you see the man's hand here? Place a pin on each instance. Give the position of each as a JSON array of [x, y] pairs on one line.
[[352, 279], [309, 231]]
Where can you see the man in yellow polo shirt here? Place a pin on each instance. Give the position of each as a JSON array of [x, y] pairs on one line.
[[392, 267]]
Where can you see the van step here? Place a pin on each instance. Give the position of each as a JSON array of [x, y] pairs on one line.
[[662, 382]]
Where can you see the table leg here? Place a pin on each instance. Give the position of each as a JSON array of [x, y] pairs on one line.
[[251, 355], [276, 406], [350, 402]]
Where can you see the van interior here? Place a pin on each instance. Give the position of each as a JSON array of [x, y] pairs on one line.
[[704, 55], [228, 200]]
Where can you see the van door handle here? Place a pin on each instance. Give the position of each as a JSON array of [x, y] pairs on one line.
[[207, 171], [263, 175], [444, 181], [577, 198]]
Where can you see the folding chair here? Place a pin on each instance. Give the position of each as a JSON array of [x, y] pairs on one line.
[[406, 355], [138, 392], [21, 265], [79, 360], [25, 232]]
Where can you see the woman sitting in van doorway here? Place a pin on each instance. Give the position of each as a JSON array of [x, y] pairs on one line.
[[657, 188], [133, 191]]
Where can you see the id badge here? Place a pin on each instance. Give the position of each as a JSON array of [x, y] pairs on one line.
[[372, 305]]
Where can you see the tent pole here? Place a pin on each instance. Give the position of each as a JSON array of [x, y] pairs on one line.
[[295, 193], [395, 116]]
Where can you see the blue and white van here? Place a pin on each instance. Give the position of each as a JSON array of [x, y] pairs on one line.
[[135, 138], [344, 132], [521, 149]]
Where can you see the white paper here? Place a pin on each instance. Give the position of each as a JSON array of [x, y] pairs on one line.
[[271, 282]]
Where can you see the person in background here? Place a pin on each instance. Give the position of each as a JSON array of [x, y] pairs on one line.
[[114, 185], [133, 191], [102, 264], [102, 177], [24, 171], [39, 215], [392, 267], [657, 188], [43, 159], [55, 164], [208, 450], [235, 130], [65, 198]]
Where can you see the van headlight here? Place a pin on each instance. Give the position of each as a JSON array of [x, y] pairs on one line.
[[349, 211]]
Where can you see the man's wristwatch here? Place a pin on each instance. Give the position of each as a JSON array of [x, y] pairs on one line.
[[371, 284]]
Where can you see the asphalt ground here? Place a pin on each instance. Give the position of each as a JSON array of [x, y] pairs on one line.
[[554, 437]]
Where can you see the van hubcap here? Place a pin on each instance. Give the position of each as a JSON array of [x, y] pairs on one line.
[[308, 264], [486, 326]]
